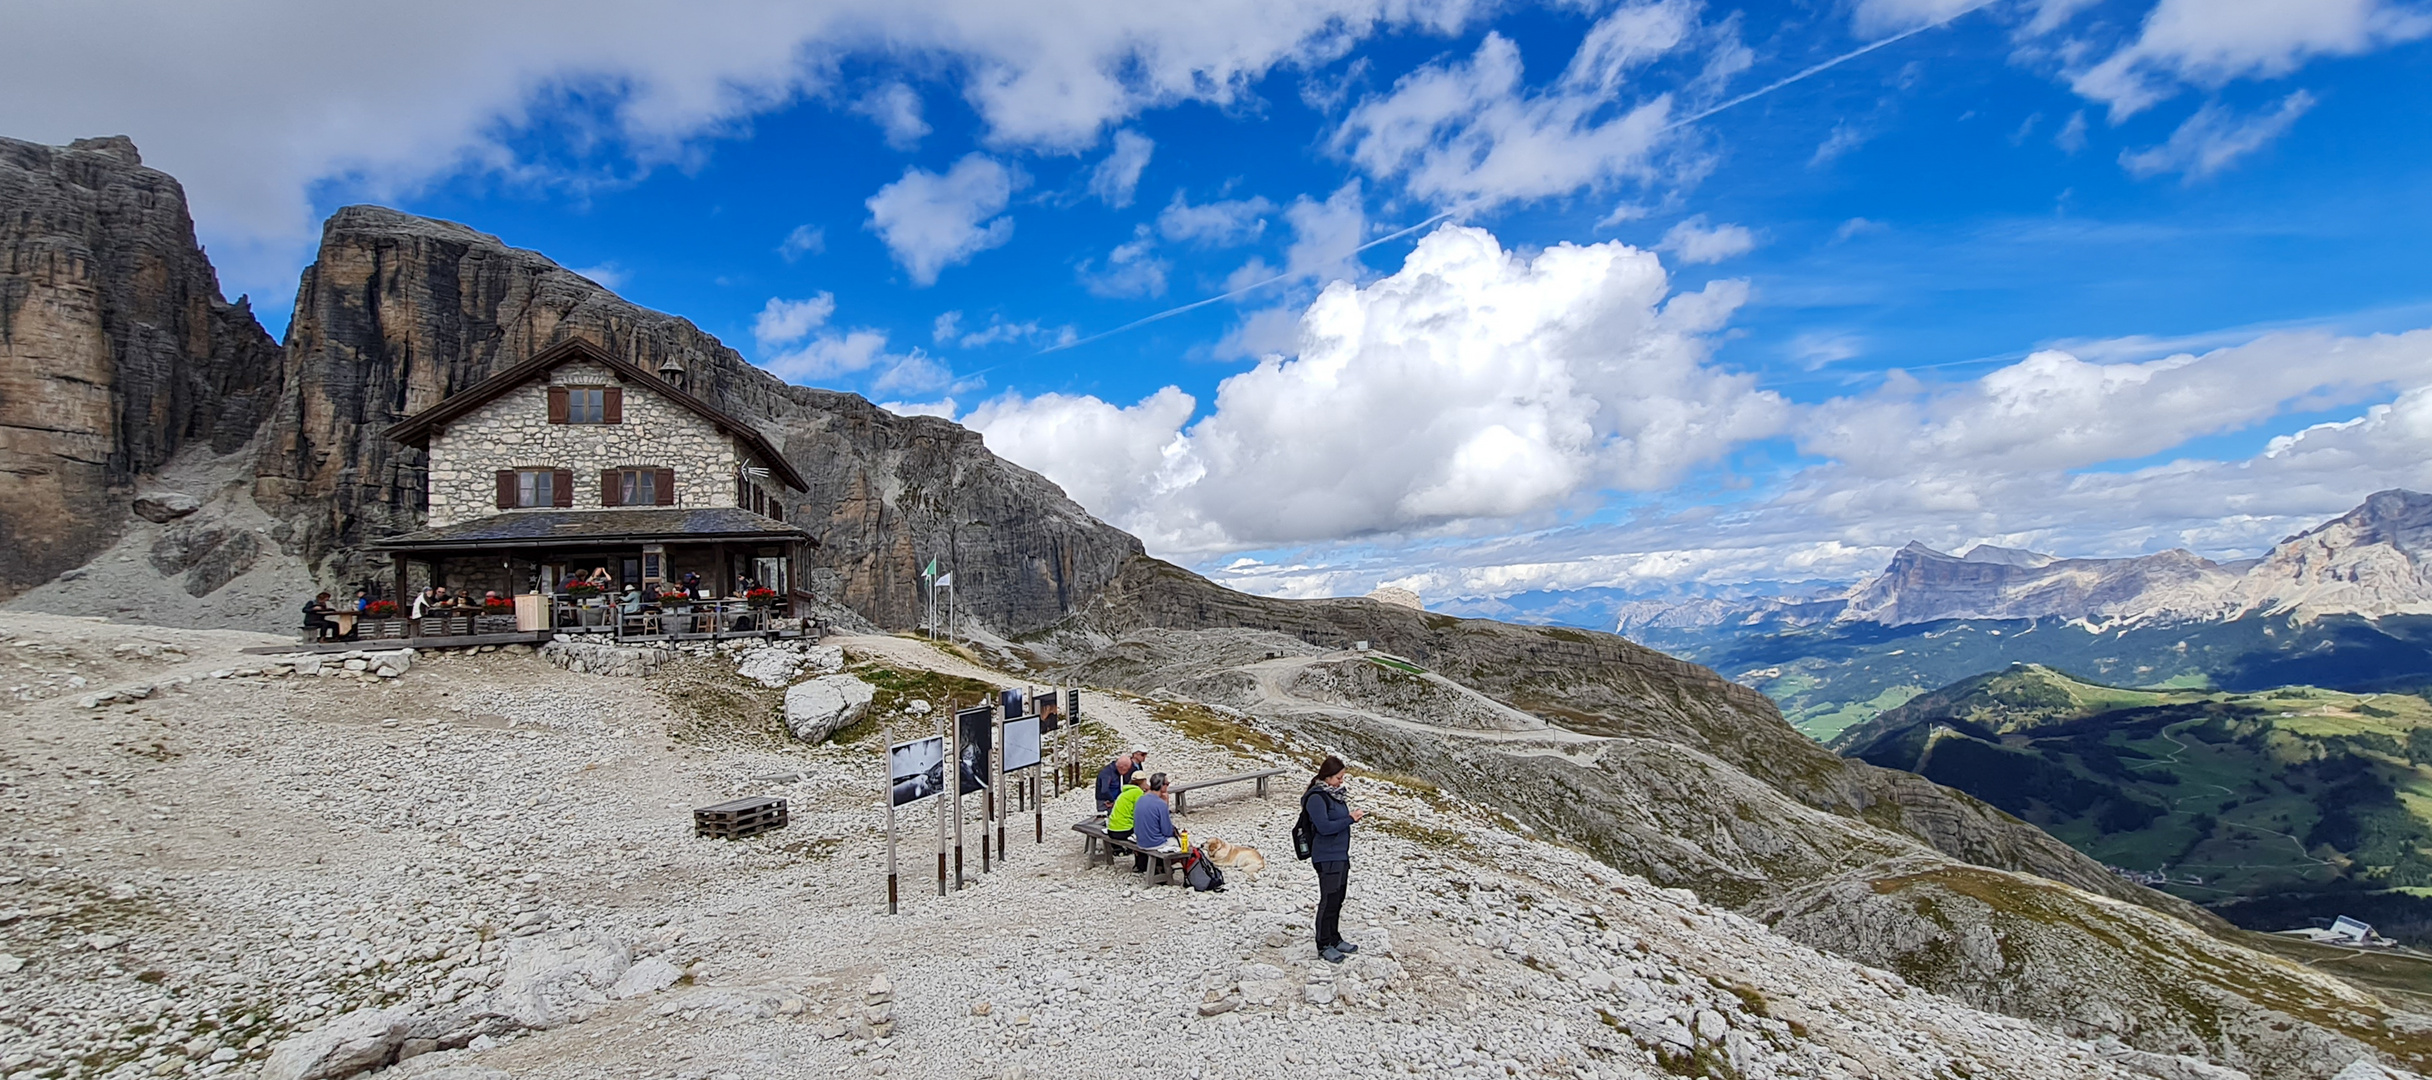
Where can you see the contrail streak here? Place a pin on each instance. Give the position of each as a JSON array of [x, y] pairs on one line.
[[1675, 125], [1825, 66], [1197, 304]]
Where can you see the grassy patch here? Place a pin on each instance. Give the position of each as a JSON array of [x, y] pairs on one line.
[[892, 688], [1403, 666], [1426, 836], [1203, 724]]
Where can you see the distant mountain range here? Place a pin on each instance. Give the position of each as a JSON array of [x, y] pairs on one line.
[[2346, 605], [2371, 562]]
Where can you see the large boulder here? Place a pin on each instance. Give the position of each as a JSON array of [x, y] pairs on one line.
[[359, 1040], [819, 708], [162, 507], [550, 977]]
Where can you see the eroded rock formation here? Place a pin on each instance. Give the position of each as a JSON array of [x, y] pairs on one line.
[[116, 348]]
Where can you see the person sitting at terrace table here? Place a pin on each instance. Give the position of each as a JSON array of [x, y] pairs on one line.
[[316, 617], [602, 578], [362, 600], [692, 585], [422, 603], [632, 604]]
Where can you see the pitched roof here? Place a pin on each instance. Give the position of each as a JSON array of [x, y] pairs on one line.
[[416, 430], [548, 528]]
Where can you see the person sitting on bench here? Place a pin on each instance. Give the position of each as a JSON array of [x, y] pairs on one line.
[[1115, 775], [1119, 815], [1153, 824]]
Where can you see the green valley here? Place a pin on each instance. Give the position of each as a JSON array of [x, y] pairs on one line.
[[2212, 795]]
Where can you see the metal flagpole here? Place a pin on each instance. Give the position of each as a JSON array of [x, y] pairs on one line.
[[886, 778]]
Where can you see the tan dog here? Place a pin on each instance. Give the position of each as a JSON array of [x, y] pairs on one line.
[[1240, 857]]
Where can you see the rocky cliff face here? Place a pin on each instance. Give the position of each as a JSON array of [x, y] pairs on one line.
[[398, 312], [1922, 585], [116, 348], [2374, 560]]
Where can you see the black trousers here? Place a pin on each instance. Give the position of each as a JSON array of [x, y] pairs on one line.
[[1139, 862], [1333, 879]]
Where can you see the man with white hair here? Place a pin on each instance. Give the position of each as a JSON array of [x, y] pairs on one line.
[[1116, 774]]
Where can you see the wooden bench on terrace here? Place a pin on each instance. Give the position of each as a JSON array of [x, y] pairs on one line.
[[1182, 792], [1101, 848]]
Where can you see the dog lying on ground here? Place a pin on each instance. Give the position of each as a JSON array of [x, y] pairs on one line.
[[1241, 857]]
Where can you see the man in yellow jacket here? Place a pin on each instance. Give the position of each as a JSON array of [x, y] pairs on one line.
[[1119, 816]]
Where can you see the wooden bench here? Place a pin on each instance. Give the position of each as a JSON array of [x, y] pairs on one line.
[[1182, 792], [1101, 848]]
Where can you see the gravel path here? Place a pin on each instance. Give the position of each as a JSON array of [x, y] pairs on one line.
[[198, 874]]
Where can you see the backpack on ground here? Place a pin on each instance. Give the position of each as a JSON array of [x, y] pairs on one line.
[[1304, 834], [1203, 875]]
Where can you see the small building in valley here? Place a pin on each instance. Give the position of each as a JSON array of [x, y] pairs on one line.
[[576, 460]]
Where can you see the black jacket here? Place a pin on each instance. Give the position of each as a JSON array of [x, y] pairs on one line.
[[1330, 820]]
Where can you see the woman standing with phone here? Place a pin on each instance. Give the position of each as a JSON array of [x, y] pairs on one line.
[[1330, 819]]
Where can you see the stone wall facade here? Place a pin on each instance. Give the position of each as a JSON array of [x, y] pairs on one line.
[[514, 432]]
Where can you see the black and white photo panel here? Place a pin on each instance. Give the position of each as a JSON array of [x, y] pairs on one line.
[[973, 727], [917, 768]]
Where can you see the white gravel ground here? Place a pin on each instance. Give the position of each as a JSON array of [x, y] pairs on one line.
[[194, 876]]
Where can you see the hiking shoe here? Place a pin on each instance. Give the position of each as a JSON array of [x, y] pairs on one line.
[[1329, 955], [1346, 948]]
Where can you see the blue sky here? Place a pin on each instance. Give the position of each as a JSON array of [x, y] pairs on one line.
[[1704, 295]]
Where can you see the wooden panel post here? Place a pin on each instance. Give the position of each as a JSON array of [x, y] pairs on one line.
[[886, 789]]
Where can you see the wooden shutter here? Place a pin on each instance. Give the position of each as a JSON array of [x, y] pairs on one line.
[[667, 487], [561, 487], [506, 489], [610, 494], [612, 405], [557, 404]]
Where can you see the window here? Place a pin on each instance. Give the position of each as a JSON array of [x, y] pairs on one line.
[[586, 405], [637, 487], [535, 487]]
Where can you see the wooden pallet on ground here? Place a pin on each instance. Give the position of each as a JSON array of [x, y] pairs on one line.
[[740, 818]]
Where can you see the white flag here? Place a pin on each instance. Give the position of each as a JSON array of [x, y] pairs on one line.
[[947, 581]]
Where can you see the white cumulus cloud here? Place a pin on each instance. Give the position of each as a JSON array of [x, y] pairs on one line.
[[895, 108], [1693, 240], [1118, 175], [797, 344], [932, 221], [2214, 138], [1474, 383], [2212, 42], [1222, 223]]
